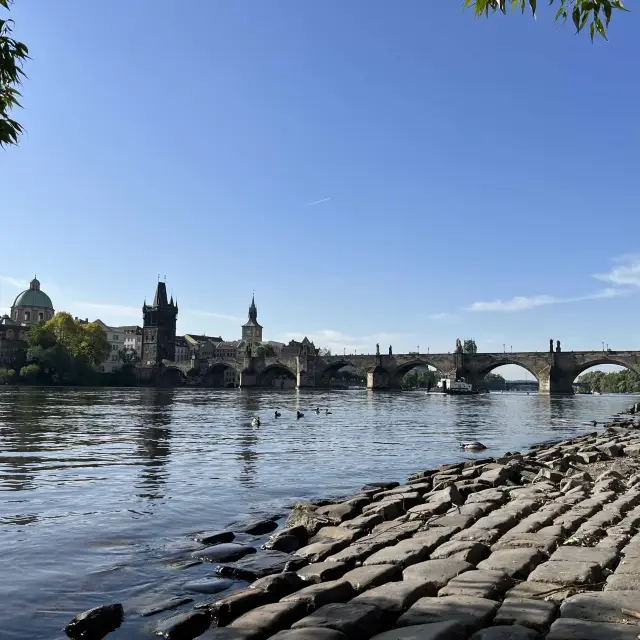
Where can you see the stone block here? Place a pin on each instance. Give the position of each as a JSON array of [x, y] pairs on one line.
[[510, 632], [356, 621], [402, 528], [483, 536], [364, 578], [494, 477], [394, 598], [569, 629], [469, 551], [472, 613], [278, 585], [318, 551], [516, 563], [341, 534], [403, 554], [449, 630], [238, 603], [386, 510], [337, 513], [320, 571], [623, 582], [428, 510], [309, 634], [268, 619], [567, 573], [544, 543], [629, 566], [610, 449], [535, 614], [603, 557], [502, 520], [317, 595], [495, 496], [433, 537], [603, 606], [409, 499], [457, 520], [540, 591], [478, 584], [364, 523], [436, 573], [615, 542]]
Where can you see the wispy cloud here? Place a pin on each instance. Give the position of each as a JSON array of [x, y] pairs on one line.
[[523, 303], [338, 341], [443, 315], [626, 272], [14, 282], [311, 204], [211, 314]]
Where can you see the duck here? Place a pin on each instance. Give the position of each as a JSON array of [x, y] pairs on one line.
[[278, 414], [317, 410], [591, 422], [255, 422], [327, 412], [299, 415], [472, 446]]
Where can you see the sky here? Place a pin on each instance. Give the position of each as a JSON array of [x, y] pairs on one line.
[[393, 173]]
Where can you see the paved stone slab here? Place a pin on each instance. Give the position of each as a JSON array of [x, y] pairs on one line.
[[428, 510], [364, 578], [483, 536], [357, 621], [536, 614], [319, 571], [395, 598], [604, 606], [403, 554], [278, 585], [434, 536], [469, 551], [601, 556], [188, 624], [472, 613], [317, 595], [615, 542], [568, 629], [387, 510], [545, 543], [567, 573], [623, 582], [496, 496], [436, 572], [365, 523], [269, 618], [517, 563], [478, 584], [337, 513], [511, 632], [629, 566], [238, 603], [318, 551], [453, 520], [309, 634], [449, 630], [336, 533], [403, 529], [541, 591]]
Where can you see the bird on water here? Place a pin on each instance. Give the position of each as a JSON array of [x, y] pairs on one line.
[[255, 422], [327, 412], [299, 415], [278, 414], [472, 446]]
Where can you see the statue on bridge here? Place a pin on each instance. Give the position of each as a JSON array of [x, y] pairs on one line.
[[377, 349], [558, 350], [458, 346], [551, 345], [390, 351]]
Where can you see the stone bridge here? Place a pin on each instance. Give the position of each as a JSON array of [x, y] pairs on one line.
[[555, 371]]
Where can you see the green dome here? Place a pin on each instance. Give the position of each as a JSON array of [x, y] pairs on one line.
[[33, 297]]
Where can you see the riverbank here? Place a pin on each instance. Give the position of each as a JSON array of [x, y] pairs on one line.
[[546, 542]]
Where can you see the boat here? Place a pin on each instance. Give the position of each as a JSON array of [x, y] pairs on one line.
[[455, 387]]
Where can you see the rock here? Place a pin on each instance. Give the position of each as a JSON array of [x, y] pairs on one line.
[[184, 626], [309, 634], [394, 598], [238, 603], [403, 554], [378, 486], [268, 619], [483, 536], [164, 605], [96, 622], [469, 551], [494, 477], [433, 538], [208, 585], [478, 584], [570, 629], [516, 563], [357, 621], [623, 582], [306, 516], [535, 614], [398, 527], [548, 475], [604, 606], [502, 520], [317, 595], [495, 496], [449, 630], [214, 537], [510, 632], [318, 551], [454, 520], [341, 534], [224, 634], [567, 573], [540, 591], [601, 556], [260, 565], [224, 552], [320, 571], [428, 510], [610, 449], [286, 543], [364, 523], [336, 513], [364, 578], [436, 573], [279, 585], [472, 613], [543, 542], [386, 510]]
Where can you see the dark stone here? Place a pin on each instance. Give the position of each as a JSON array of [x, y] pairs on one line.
[[288, 544], [268, 619], [449, 630], [96, 623], [255, 527], [164, 605], [279, 585], [208, 585], [215, 537], [356, 621], [238, 603], [506, 632], [317, 595], [381, 486], [184, 626], [224, 552], [309, 634], [257, 566], [572, 629], [473, 613]]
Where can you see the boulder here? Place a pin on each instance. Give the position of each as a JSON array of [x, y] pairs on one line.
[[307, 516], [184, 626], [355, 620], [224, 552], [96, 622], [214, 537], [255, 527], [449, 630], [279, 585], [236, 604], [268, 619]]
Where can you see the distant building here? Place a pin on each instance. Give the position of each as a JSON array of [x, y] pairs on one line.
[[116, 340], [132, 338], [251, 330], [32, 305], [202, 346], [182, 349], [227, 349], [159, 328], [12, 337]]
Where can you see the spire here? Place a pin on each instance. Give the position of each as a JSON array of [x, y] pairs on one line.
[[253, 310], [160, 299]]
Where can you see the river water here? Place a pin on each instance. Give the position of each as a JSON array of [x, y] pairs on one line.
[[101, 489]]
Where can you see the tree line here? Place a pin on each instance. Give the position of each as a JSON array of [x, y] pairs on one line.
[[613, 382]]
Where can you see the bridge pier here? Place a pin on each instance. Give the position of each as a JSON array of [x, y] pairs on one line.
[[378, 379], [248, 379]]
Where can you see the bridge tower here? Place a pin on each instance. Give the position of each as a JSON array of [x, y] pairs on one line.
[[159, 329], [251, 329]]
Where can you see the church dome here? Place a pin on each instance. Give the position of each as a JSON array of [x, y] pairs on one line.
[[33, 297]]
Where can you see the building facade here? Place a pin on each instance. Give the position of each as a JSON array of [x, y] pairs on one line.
[[132, 338], [252, 330], [32, 305], [116, 339], [12, 341], [159, 329], [182, 349]]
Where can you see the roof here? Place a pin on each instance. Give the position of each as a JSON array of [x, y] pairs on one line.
[[33, 297], [5, 320], [252, 323], [192, 337]]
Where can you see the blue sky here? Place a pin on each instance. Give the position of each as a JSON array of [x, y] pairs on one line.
[[377, 172]]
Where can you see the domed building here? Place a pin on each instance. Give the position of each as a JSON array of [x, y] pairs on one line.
[[32, 305]]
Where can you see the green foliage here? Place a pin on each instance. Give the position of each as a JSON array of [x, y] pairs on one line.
[[30, 373], [422, 379], [595, 13], [469, 346], [262, 350], [494, 377], [12, 56], [324, 352], [7, 376], [128, 357], [614, 382]]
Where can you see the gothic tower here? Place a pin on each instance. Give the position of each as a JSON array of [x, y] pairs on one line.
[[251, 330], [159, 329]]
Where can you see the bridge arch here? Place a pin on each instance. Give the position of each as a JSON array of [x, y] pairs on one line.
[[598, 362], [268, 376], [484, 371], [402, 370], [221, 375], [332, 370], [172, 376]]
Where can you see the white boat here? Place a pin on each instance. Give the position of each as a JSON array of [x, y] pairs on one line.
[[455, 387]]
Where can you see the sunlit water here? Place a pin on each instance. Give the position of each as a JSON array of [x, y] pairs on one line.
[[100, 489]]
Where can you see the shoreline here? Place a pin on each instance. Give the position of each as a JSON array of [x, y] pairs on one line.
[[350, 559]]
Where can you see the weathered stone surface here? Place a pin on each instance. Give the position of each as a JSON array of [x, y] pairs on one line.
[[309, 634], [305, 515], [541, 591], [567, 573], [478, 584], [224, 633], [318, 551], [433, 537], [494, 477], [615, 542], [208, 585], [428, 510], [394, 598], [569, 629], [536, 614], [255, 527], [279, 585], [214, 537], [604, 606], [364, 578], [502, 520], [224, 552], [402, 529], [496, 496], [623, 582], [163, 605], [365, 523], [357, 621], [449, 630], [436, 573], [469, 551], [96, 622], [268, 619], [629, 566], [184, 626], [472, 613], [319, 571], [544, 543], [516, 563], [603, 557], [483, 536], [386, 510], [259, 565], [340, 534], [510, 632], [238, 603], [286, 543], [457, 520], [337, 513], [317, 595], [403, 554]]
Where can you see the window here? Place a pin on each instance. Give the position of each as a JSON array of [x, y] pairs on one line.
[[114, 347], [27, 315], [115, 337], [40, 315], [114, 358]]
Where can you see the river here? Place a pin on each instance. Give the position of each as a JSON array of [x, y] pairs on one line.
[[100, 489]]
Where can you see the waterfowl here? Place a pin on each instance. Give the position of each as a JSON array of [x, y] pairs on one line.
[[327, 412], [278, 414], [472, 446], [299, 414], [317, 410], [591, 422], [255, 422]]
